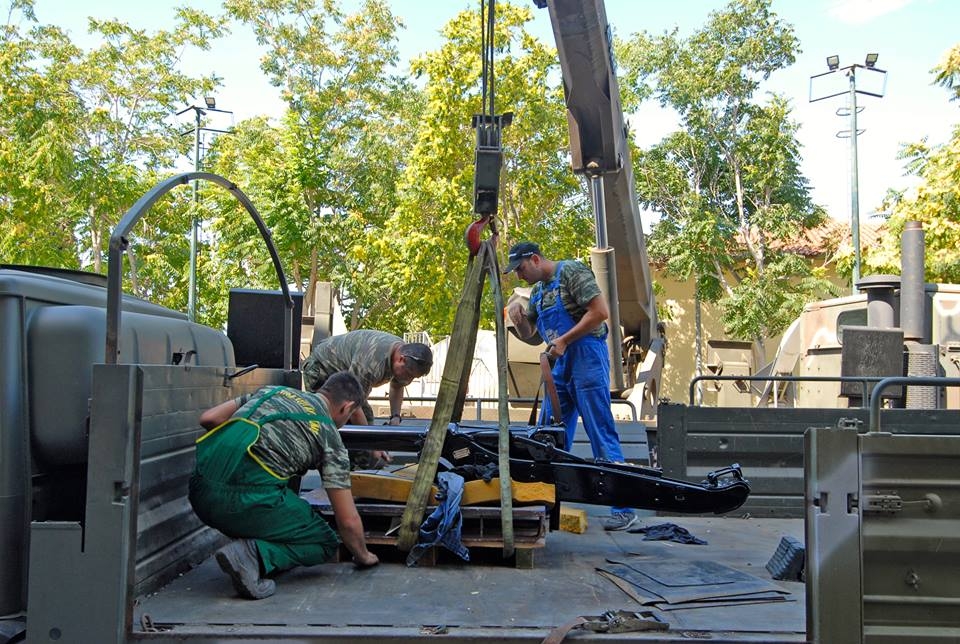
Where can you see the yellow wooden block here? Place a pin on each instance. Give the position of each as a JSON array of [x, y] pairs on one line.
[[478, 492], [573, 520], [395, 487], [382, 486]]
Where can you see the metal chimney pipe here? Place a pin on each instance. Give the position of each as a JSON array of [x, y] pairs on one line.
[[881, 293], [913, 284], [921, 356]]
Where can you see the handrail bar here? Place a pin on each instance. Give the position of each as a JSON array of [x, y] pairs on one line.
[[863, 380], [481, 400], [119, 243], [876, 398]]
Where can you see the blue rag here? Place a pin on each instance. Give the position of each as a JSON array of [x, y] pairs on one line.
[[443, 526], [668, 532]]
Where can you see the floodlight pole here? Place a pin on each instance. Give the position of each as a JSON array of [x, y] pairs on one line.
[[211, 106], [833, 62], [854, 179], [192, 287]]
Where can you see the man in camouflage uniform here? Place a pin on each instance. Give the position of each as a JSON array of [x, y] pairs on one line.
[[374, 357], [244, 462], [569, 311]]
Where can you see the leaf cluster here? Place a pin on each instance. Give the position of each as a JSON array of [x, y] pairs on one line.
[[935, 202], [728, 184]]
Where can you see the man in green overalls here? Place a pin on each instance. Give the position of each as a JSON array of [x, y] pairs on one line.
[[240, 486]]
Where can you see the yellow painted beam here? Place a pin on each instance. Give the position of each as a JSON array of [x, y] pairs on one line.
[[395, 488]]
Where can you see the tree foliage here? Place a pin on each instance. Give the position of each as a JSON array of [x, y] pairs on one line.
[[935, 202], [329, 181], [83, 134], [728, 184], [539, 197]]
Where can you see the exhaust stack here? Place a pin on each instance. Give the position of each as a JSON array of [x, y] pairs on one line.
[[922, 357]]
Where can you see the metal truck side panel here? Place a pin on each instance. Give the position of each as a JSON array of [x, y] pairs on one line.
[[910, 512], [767, 443], [139, 530], [14, 455], [81, 577], [833, 576]]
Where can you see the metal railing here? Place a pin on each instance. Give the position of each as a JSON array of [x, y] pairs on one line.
[[119, 244], [876, 397], [478, 401], [862, 380]]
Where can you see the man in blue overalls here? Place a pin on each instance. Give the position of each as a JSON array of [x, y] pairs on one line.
[[568, 309]]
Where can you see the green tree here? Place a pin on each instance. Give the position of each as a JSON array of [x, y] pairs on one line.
[[935, 202], [728, 185], [343, 142], [97, 133], [540, 199], [38, 116]]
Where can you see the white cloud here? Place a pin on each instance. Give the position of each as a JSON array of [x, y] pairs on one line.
[[859, 12]]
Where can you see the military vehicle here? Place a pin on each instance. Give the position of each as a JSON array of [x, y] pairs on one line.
[[101, 545]]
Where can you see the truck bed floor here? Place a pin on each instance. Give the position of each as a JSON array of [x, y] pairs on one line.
[[477, 601]]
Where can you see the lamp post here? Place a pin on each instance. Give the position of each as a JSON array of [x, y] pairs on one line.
[[833, 64], [210, 105]]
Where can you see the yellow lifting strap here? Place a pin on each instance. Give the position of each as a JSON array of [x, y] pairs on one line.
[[451, 396]]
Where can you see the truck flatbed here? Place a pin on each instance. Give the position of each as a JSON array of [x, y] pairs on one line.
[[485, 599]]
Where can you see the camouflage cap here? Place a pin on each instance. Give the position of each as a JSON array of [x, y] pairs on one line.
[[419, 353]]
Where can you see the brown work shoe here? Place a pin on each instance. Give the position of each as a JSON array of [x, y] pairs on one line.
[[240, 560]]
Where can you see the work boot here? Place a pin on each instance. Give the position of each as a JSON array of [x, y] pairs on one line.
[[619, 521], [241, 561]]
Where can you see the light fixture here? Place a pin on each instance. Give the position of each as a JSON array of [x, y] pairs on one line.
[[871, 60], [210, 101], [833, 62]]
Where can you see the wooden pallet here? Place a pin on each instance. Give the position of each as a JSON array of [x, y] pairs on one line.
[[481, 530]]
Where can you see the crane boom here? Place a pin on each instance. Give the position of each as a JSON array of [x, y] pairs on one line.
[[599, 150]]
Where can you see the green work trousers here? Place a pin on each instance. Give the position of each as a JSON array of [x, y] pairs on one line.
[[230, 492]]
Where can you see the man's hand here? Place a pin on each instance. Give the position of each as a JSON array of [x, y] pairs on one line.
[[557, 348], [380, 458], [517, 313], [366, 559]]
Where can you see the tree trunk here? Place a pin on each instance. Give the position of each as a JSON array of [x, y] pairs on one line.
[[312, 283], [95, 239], [698, 343]]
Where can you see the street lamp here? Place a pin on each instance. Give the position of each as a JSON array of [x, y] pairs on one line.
[[211, 106], [833, 64]]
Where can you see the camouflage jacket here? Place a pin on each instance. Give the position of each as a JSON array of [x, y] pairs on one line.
[[296, 435], [365, 354]]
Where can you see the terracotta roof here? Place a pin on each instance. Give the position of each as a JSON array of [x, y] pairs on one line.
[[831, 235]]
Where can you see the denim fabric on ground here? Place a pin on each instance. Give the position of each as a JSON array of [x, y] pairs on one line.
[[443, 526]]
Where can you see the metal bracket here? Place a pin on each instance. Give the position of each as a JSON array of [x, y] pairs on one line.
[[849, 423], [882, 503]]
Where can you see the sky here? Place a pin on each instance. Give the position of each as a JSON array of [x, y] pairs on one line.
[[910, 36]]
